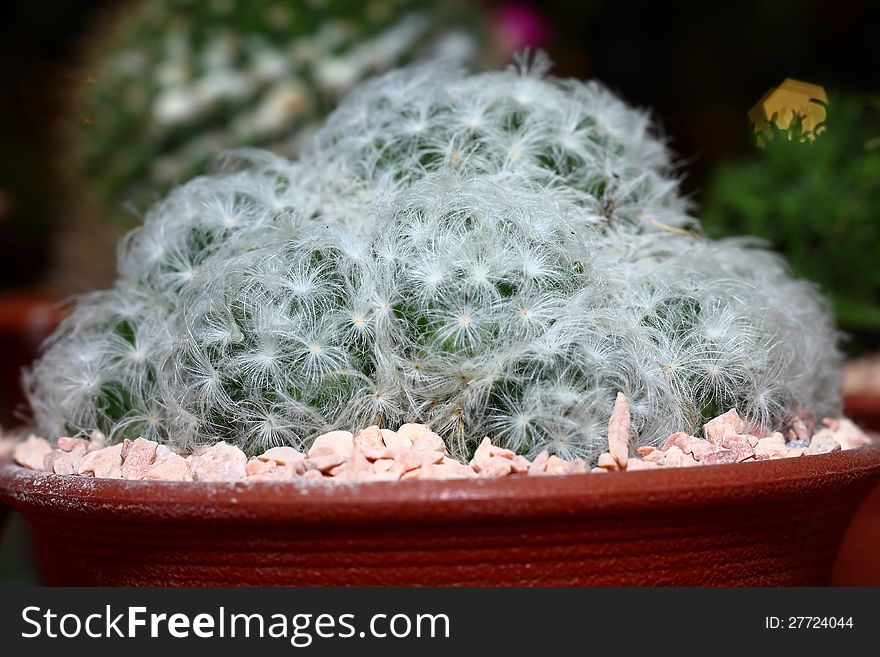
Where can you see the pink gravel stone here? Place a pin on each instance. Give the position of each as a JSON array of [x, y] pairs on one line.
[[137, 457], [578, 466], [557, 466], [324, 462], [333, 442], [674, 457], [220, 462], [823, 442], [32, 453], [720, 456], [497, 466], [384, 465], [66, 459], [430, 441], [639, 464], [598, 470], [607, 461], [696, 447], [619, 430], [741, 443], [369, 437], [849, 435], [644, 451], [104, 463], [520, 464], [482, 454], [393, 440], [717, 429], [452, 471], [313, 475], [539, 464], [412, 431], [773, 446], [257, 466], [171, 467]]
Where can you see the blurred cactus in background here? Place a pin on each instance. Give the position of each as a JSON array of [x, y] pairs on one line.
[[168, 84], [818, 203]]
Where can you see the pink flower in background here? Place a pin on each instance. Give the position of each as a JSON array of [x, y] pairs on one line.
[[520, 25]]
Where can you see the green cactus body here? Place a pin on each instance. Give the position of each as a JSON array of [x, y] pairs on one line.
[[495, 254]]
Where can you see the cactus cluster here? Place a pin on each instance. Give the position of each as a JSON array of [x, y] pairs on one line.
[[166, 84], [495, 254]]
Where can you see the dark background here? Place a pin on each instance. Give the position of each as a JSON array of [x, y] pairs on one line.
[[700, 65]]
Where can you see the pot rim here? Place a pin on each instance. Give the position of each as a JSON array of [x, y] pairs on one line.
[[429, 501]]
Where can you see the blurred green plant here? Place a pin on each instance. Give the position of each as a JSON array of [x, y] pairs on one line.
[[817, 202], [168, 84]]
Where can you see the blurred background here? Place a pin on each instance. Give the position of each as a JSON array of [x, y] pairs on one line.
[[106, 105]]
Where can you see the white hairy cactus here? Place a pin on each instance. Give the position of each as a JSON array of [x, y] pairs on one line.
[[495, 254]]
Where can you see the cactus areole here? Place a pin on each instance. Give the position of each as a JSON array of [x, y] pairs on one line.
[[491, 255]]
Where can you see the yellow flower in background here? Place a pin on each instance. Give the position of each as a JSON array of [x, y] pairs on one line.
[[792, 102]]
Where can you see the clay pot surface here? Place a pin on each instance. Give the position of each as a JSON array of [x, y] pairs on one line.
[[765, 523]]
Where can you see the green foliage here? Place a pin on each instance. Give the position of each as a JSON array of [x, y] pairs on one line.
[[818, 203]]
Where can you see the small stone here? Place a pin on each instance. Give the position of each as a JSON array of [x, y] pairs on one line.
[[220, 462], [578, 466], [66, 444], [66, 459], [393, 440], [598, 470], [773, 446], [796, 452], [172, 467], [369, 437], [557, 466], [619, 430], [285, 457], [797, 444], [849, 435], [356, 467], [501, 452], [430, 441], [742, 442], [137, 457], [696, 447], [377, 453], [644, 451], [497, 466], [452, 471], [823, 442], [333, 442], [97, 440], [257, 466], [607, 461], [539, 464], [104, 463], [719, 457], [674, 457], [324, 462], [519, 464], [412, 431], [482, 455], [32, 453], [384, 465], [639, 464], [313, 475], [729, 424]]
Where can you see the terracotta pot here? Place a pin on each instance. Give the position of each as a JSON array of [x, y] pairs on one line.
[[767, 523], [858, 562]]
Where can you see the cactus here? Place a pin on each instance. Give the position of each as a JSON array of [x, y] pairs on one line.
[[817, 203], [169, 83], [496, 254]]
